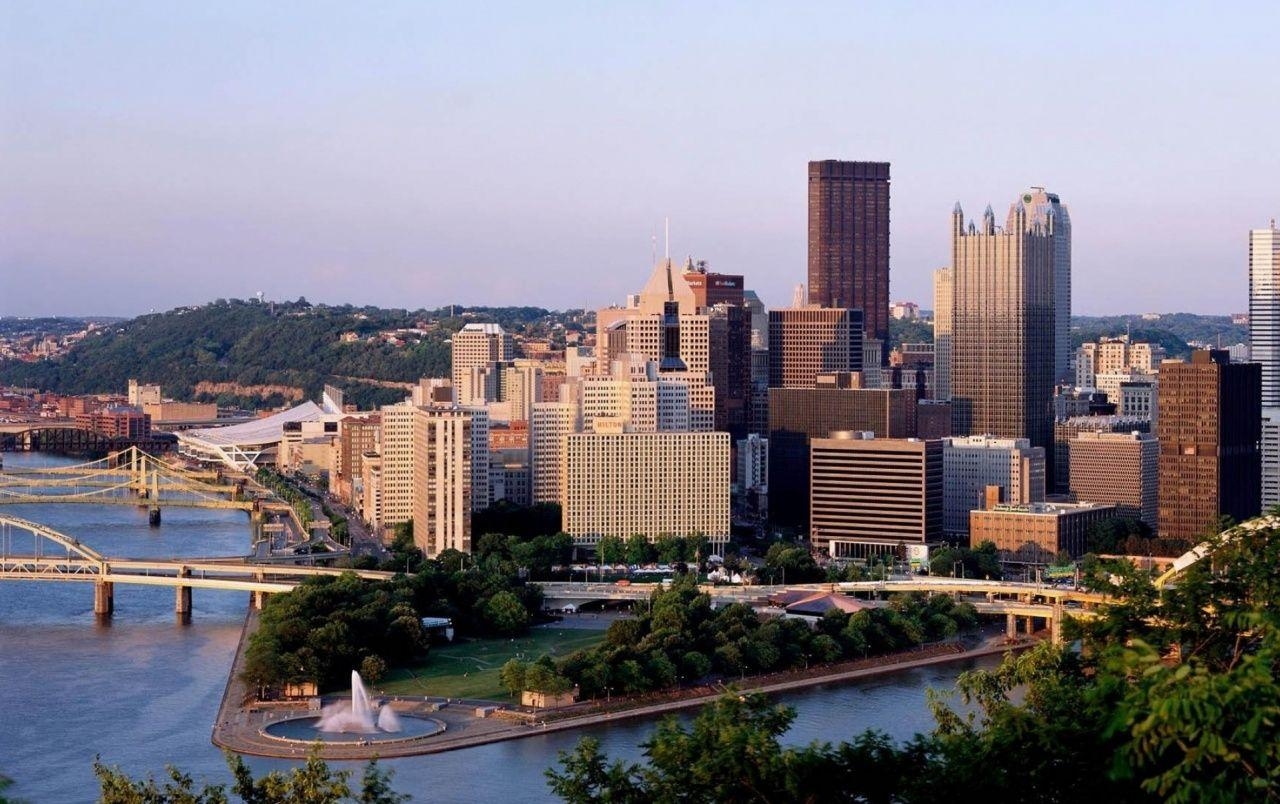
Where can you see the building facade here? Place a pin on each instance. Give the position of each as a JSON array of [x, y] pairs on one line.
[[807, 341], [1035, 534], [872, 496], [798, 415], [943, 331], [475, 350], [1002, 379], [1120, 469], [620, 484], [1209, 429], [1046, 211], [974, 464], [849, 241], [1264, 309]]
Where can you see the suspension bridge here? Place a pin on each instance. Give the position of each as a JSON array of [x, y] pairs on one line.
[[126, 477], [56, 556]]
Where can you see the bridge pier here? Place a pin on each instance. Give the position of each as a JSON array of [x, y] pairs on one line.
[[257, 599], [104, 602], [153, 516], [1011, 625], [182, 603], [1055, 626], [1031, 625]]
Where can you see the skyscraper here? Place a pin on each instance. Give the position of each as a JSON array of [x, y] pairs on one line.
[[943, 331], [807, 341], [1002, 355], [476, 347], [1264, 309], [1209, 427], [849, 241], [1042, 206]]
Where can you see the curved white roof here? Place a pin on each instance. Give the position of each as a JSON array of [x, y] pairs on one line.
[[261, 431]]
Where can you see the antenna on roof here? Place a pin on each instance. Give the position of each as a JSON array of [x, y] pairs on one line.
[[666, 226]]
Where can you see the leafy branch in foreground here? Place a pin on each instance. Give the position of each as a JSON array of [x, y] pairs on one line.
[[313, 782]]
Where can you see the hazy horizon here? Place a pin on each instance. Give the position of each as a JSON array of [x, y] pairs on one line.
[[415, 156]]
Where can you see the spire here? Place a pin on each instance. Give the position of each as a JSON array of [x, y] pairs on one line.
[[957, 210]]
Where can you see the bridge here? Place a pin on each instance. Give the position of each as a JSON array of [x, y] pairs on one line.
[[68, 437], [126, 477], [58, 557]]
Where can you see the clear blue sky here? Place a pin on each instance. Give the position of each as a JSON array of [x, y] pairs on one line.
[[413, 154]]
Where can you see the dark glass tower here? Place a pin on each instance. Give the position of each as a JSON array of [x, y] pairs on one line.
[[849, 241]]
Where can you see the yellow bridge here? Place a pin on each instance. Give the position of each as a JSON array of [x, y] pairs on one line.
[[56, 556], [127, 477]]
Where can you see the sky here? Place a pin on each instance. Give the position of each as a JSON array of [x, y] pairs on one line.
[[416, 154]]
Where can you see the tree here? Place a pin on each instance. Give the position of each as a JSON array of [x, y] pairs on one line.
[[611, 550], [511, 675], [505, 614], [373, 668], [669, 548], [639, 551]]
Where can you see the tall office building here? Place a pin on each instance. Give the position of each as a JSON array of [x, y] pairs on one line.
[[1120, 469], [1270, 458], [1003, 353], [1067, 429], [943, 331], [1209, 428], [799, 415], [1264, 338], [1045, 211], [476, 347], [807, 341], [426, 474], [849, 241], [620, 484], [1264, 309], [972, 465], [870, 496]]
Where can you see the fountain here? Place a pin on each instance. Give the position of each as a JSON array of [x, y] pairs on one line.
[[358, 716], [361, 716]]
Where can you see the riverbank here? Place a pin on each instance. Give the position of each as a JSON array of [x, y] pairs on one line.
[[473, 723]]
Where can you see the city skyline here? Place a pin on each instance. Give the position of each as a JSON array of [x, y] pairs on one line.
[[348, 156]]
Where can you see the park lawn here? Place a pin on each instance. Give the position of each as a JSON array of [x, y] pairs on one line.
[[469, 669]]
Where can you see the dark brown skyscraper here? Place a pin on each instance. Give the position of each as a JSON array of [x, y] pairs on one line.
[[849, 241], [1209, 426]]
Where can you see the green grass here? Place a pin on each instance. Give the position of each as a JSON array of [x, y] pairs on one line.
[[469, 669]]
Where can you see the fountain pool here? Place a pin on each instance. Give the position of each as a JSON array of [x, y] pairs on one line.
[[361, 720]]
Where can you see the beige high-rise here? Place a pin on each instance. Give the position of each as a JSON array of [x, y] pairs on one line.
[[479, 346], [943, 331], [1003, 355], [620, 484], [1121, 469]]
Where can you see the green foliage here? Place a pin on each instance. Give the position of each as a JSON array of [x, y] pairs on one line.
[[611, 550], [313, 782], [1131, 537], [982, 561], [791, 563], [291, 344], [903, 331], [680, 638], [1172, 696], [1173, 331]]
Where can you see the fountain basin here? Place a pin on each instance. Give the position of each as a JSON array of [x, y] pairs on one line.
[[306, 730]]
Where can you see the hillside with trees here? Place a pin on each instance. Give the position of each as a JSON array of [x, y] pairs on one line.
[[256, 346]]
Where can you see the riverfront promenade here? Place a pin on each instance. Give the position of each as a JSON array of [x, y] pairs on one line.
[[239, 727]]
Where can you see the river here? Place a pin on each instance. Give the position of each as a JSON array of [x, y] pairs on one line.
[[143, 690]]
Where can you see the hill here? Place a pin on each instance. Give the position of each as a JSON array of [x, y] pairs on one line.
[[234, 352]]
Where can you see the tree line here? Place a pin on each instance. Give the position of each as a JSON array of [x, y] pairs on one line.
[[681, 639]]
